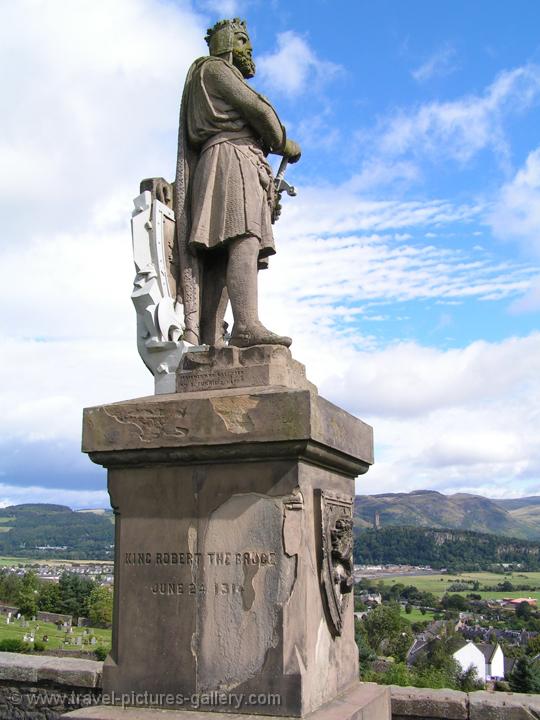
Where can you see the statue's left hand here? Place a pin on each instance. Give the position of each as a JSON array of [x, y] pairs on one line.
[[292, 151], [161, 190]]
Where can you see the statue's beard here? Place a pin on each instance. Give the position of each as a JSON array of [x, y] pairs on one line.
[[244, 62]]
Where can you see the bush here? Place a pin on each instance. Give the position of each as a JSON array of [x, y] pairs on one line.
[[14, 645], [39, 646], [101, 652]]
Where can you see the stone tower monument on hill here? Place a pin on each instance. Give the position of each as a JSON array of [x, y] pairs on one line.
[[233, 485]]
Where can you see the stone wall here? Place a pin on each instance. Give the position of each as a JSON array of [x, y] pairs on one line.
[[38, 687], [426, 704]]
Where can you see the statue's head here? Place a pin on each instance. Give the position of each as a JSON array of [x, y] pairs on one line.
[[230, 39]]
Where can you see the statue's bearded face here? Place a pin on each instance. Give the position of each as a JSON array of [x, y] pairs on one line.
[[242, 54]]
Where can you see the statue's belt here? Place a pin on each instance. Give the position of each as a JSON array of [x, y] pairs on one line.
[[226, 136]]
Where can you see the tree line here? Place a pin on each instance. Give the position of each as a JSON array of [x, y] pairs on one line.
[[73, 595], [453, 549]]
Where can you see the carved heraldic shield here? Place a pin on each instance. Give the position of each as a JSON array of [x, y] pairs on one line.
[[337, 555]]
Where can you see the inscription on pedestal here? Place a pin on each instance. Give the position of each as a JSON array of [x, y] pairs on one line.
[[250, 557], [210, 380], [185, 562]]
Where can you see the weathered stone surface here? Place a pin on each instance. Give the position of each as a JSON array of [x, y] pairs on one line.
[[219, 544], [217, 588], [62, 671], [365, 701], [228, 423], [72, 671], [409, 702], [503, 706], [232, 367], [28, 701]]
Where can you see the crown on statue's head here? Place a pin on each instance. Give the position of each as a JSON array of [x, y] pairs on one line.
[[220, 38]]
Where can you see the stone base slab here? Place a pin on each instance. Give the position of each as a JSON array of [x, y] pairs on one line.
[[410, 703], [365, 701], [232, 367]]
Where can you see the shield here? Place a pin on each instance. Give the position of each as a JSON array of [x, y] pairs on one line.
[[336, 555], [160, 317]]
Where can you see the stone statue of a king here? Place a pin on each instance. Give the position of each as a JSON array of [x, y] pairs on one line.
[[233, 486], [224, 195]]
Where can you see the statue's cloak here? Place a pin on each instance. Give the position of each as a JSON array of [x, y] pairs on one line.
[[189, 270]]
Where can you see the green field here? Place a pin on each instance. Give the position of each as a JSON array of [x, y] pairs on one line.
[[56, 637], [438, 584], [416, 616], [14, 561]]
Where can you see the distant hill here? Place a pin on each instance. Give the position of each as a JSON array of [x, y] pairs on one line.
[[461, 511], [461, 549], [49, 531]]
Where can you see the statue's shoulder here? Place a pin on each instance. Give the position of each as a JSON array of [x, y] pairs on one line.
[[217, 67]]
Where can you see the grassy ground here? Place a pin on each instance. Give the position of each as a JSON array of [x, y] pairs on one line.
[[14, 561], [56, 637], [416, 616], [438, 584]]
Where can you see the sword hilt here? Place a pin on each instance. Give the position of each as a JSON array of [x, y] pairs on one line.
[[281, 184]]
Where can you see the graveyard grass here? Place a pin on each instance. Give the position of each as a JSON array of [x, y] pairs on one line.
[[56, 636]]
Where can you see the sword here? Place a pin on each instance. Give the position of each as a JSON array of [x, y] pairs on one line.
[[280, 182]]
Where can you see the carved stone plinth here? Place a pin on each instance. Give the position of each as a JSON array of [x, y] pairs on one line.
[[233, 545], [232, 367]]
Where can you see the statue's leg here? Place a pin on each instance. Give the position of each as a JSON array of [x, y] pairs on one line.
[[242, 289], [214, 297]]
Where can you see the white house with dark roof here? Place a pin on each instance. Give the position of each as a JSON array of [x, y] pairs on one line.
[[494, 660], [487, 659], [469, 655]]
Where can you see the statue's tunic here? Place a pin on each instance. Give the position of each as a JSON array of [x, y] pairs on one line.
[[230, 127]]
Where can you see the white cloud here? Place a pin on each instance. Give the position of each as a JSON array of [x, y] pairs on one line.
[[14, 495], [93, 88], [461, 128], [530, 301], [51, 381], [441, 63], [461, 419], [294, 68], [516, 214]]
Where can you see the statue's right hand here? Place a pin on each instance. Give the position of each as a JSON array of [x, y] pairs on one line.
[[292, 151], [161, 190]]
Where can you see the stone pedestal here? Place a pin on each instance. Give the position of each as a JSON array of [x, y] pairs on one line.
[[233, 563]]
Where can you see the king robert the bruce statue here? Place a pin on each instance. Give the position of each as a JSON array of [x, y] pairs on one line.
[[224, 194]]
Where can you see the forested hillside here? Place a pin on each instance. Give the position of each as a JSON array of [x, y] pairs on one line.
[[41, 530], [464, 550]]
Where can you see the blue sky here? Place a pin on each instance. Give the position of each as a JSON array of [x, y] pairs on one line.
[[408, 267]]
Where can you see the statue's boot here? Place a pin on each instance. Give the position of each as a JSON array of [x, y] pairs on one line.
[[257, 335], [242, 271]]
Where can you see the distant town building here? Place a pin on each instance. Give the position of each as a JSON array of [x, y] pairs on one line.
[[487, 659], [514, 602]]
